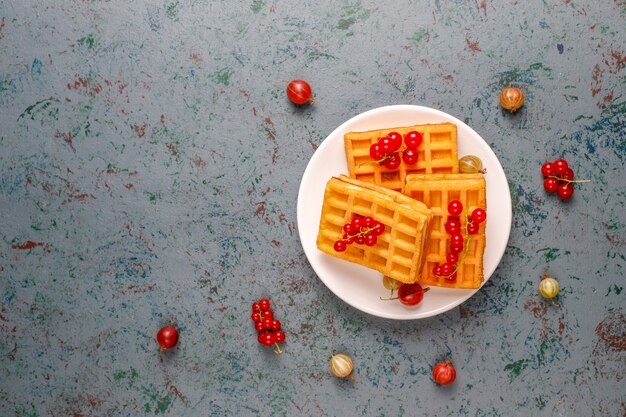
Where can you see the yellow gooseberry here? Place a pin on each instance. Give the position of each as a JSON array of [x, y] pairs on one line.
[[512, 98]]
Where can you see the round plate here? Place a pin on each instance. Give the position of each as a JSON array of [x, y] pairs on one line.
[[362, 287]]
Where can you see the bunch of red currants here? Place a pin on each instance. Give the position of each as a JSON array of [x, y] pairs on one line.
[[266, 326], [387, 150], [457, 240], [361, 230], [559, 177]]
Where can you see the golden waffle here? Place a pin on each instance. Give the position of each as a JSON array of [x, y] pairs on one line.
[[436, 191], [436, 154], [399, 251]]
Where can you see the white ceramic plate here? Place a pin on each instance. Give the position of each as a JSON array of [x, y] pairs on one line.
[[362, 287]]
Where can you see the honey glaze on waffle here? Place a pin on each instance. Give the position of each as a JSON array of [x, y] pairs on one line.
[[436, 191], [436, 154], [398, 252]]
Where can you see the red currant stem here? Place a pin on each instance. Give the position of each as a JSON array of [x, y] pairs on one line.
[[566, 180], [397, 298], [361, 233], [277, 350], [260, 314], [374, 161]]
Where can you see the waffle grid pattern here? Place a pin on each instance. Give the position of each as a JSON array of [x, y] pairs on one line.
[[399, 250], [436, 191], [437, 154]]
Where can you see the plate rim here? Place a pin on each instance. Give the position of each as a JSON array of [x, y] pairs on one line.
[[403, 107]]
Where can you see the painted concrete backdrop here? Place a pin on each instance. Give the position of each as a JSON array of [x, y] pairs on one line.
[[149, 170]]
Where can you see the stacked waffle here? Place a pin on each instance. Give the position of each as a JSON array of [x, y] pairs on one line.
[[411, 201], [399, 251]]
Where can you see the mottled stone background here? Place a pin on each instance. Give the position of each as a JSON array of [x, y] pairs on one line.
[[149, 170]]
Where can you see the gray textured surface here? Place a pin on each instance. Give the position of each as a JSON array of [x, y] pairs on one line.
[[150, 163]]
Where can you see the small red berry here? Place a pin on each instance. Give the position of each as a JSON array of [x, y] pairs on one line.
[[264, 304], [375, 152], [472, 228], [453, 225], [258, 326], [275, 325], [267, 338], [167, 337], [255, 317], [479, 215], [269, 314], [392, 161], [444, 373], [255, 307], [455, 207], [280, 336], [409, 156], [370, 239], [452, 258], [369, 222], [559, 167], [340, 246], [550, 184], [396, 139], [456, 239], [413, 139], [565, 191], [357, 223], [379, 228], [359, 240], [446, 269], [451, 277], [547, 169], [568, 175]]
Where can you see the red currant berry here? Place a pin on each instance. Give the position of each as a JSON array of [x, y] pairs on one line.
[[264, 304], [568, 175], [375, 152], [455, 207], [456, 239], [409, 156], [299, 92], [453, 225], [565, 191], [357, 223], [359, 240], [167, 337], [446, 269], [559, 167], [348, 239], [452, 258], [348, 228], [275, 325], [267, 338], [340, 246], [396, 139], [256, 307], [437, 271], [451, 277], [267, 323], [269, 314], [550, 184], [280, 336], [479, 215], [392, 161], [370, 240], [413, 139], [379, 228], [547, 169], [369, 222], [255, 317], [472, 228], [456, 248], [386, 146], [258, 326]]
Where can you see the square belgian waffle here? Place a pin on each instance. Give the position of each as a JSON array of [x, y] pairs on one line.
[[436, 191], [436, 154], [399, 250]]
